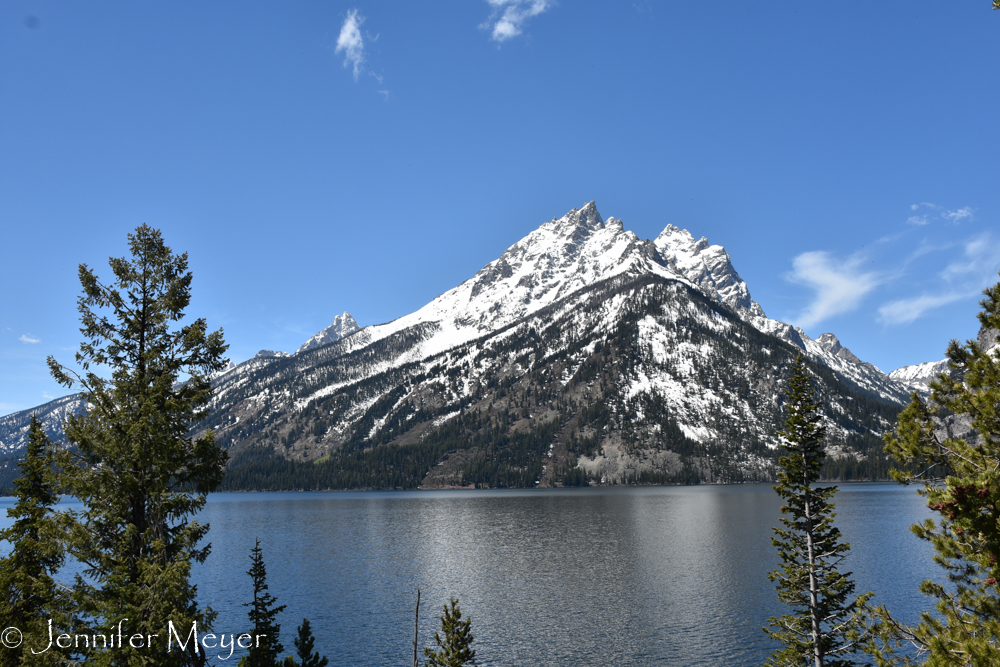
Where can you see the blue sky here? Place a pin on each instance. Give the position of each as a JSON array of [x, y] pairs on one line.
[[317, 157]]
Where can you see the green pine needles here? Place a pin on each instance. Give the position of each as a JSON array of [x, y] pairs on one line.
[[132, 461], [263, 615], [30, 595], [826, 625], [455, 647], [304, 644], [961, 481]]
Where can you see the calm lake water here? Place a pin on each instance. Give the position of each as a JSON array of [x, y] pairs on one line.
[[609, 576]]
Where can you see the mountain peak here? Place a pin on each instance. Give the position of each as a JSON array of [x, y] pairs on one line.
[[918, 377], [578, 223], [268, 354], [589, 216], [343, 326], [707, 266], [830, 341]]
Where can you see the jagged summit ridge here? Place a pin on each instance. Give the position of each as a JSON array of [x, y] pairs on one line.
[[343, 326], [707, 266], [580, 249], [561, 256]]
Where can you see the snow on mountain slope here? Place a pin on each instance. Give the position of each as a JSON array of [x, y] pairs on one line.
[[707, 266], [711, 269], [918, 377], [563, 256], [343, 326], [14, 427], [560, 257], [642, 376], [580, 249]]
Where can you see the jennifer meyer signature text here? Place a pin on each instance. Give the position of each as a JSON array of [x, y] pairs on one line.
[[118, 639]]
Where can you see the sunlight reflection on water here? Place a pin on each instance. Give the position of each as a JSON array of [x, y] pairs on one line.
[[622, 576]]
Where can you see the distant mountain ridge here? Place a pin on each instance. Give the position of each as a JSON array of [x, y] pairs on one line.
[[507, 353], [918, 377]]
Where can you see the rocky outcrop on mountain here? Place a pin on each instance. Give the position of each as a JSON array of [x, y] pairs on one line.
[[707, 266], [343, 326], [918, 377], [271, 354], [988, 339]]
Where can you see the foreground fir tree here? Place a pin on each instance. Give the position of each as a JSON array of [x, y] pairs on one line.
[[455, 647], [31, 595], [133, 463], [826, 626], [263, 616], [304, 644], [965, 630]]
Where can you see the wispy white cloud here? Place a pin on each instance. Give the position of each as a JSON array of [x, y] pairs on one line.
[[839, 286], [904, 311], [926, 248], [961, 279], [351, 42], [957, 215], [27, 338], [980, 261], [509, 16], [930, 210]]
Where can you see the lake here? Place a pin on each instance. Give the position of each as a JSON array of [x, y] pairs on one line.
[[611, 576]]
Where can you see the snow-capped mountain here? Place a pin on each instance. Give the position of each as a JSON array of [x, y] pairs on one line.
[[570, 284], [580, 249], [918, 377], [582, 351], [14, 427], [343, 325], [710, 268]]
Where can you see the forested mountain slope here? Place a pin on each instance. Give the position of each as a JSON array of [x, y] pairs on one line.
[[635, 379], [581, 353]]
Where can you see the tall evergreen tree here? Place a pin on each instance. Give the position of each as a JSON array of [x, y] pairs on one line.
[[961, 481], [133, 463], [826, 626], [263, 615], [454, 648], [31, 595]]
